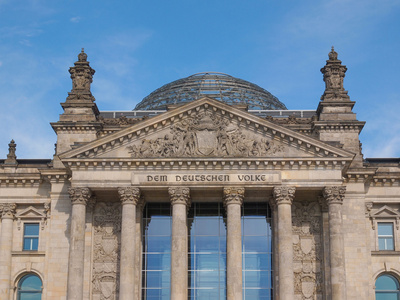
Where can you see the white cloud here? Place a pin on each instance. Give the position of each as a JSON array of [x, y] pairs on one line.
[[75, 19]]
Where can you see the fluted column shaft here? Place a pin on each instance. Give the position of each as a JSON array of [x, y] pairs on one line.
[[7, 211], [79, 198], [180, 201], [334, 198], [129, 197], [233, 200], [283, 197]]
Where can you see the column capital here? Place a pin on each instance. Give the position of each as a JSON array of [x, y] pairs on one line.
[[179, 195], [79, 195], [129, 195], [233, 195], [283, 195], [7, 210], [334, 194]]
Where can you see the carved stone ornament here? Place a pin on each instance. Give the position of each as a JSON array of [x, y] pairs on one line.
[[284, 194], [11, 157], [79, 195], [205, 135], [334, 194], [106, 249], [334, 73], [7, 210], [307, 250], [233, 195], [129, 195], [179, 195]]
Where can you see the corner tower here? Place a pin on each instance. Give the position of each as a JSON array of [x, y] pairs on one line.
[[79, 122], [336, 121]]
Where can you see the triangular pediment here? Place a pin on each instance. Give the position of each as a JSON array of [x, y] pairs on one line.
[[30, 212], [205, 128], [385, 212]]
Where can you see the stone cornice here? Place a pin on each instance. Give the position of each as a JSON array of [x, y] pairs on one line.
[[343, 126], [283, 195], [129, 195], [71, 127], [334, 194], [55, 175], [79, 195], [153, 125], [20, 180], [233, 195], [179, 195], [195, 163]]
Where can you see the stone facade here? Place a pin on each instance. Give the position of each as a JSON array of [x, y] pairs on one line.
[[327, 202]]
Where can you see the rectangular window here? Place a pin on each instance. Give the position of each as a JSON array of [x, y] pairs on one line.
[[31, 236], [385, 236], [257, 251], [156, 273]]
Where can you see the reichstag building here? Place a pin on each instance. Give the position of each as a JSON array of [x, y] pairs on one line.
[[210, 188]]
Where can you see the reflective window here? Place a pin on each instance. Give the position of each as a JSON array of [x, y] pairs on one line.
[[31, 236], [30, 288], [385, 236], [207, 251], [257, 251], [156, 251], [387, 288]]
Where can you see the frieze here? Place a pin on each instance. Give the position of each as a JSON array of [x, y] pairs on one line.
[[206, 135], [106, 249], [307, 250]]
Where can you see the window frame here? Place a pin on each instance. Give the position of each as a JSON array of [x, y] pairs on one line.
[[20, 282], [383, 292], [31, 237]]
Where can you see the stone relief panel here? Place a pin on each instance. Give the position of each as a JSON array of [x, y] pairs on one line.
[[307, 250], [206, 134], [106, 249]]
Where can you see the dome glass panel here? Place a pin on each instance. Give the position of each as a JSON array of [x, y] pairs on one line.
[[218, 86]]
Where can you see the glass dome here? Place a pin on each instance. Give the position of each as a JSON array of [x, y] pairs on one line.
[[219, 86]]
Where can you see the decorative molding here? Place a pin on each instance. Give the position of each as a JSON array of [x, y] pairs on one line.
[[233, 195], [106, 250], [204, 135], [334, 194], [7, 210], [179, 195], [307, 250], [32, 213], [283, 194], [79, 195], [384, 213], [129, 195]]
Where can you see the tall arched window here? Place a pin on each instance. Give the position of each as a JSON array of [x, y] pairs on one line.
[[30, 288], [387, 288]]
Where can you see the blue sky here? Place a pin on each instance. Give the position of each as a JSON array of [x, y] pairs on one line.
[[137, 46]]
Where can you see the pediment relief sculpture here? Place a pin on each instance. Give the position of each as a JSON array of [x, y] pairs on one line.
[[204, 135]]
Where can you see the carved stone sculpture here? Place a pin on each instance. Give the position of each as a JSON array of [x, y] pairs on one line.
[[107, 229], [334, 194], [79, 195], [307, 250], [7, 210], [233, 195], [129, 195], [204, 135], [283, 194], [179, 195]]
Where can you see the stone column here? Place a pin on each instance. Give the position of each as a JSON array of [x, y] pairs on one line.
[[79, 198], [334, 198], [233, 200], [7, 211], [180, 201], [283, 198], [129, 198]]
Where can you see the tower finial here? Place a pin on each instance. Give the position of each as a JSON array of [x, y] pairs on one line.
[[11, 157]]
